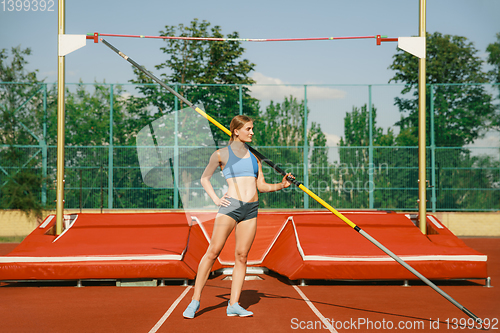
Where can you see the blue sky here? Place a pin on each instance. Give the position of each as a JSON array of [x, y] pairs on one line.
[[318, 62]]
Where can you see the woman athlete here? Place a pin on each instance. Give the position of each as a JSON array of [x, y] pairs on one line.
[[238, 210]]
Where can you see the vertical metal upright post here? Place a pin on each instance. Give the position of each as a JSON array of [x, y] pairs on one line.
[[60, 124], [370, 149], [433, 153], [110, 150], [306, 151], [176, 152], [422, 185]]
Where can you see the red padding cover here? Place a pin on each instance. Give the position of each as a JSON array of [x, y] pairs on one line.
[[308, 245]]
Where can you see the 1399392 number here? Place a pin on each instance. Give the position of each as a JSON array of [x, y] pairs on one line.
[[462, 323], [27, 5]]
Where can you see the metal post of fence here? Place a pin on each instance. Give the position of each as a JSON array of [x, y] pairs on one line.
[[370, 149], [81, 190], [110, 150], [176, 152], [241, 99], [102, 194], [306, 152], [433, 153]]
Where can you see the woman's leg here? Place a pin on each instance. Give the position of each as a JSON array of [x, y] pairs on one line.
[[222, 229], [244, 234]]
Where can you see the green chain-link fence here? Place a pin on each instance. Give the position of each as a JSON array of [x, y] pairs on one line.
[[352, 177]]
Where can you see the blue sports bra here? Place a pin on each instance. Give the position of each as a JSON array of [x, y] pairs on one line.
[[240, 167]]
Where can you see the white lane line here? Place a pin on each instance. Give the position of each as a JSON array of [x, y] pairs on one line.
[[316, 311], [170, 310]]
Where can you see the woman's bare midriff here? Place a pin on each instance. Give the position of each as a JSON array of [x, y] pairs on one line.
[[243, 188]]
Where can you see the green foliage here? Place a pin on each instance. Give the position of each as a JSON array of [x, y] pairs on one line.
[[406, 136], [450, 59], [21, 113], [463, 181], [461, 111], [459, 174], [20, 104], [87, 115], [203, 61], [23, 193], [494, 59], [282, 124], [22, 187], [357, 129], [317, 139], [87, 118], [200, 62], [352, 173]]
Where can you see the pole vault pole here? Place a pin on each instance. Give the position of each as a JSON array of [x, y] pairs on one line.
[[302, 187]]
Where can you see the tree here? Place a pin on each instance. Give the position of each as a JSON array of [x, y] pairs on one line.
[[352, 174], [494, 59], [357, 129], [463, 111], [282, 124], [21, 105], [461, 106], [87, 116], [21, 112], [317, 139], [201, 62], [211, 73], [87, 136], [356, 137]]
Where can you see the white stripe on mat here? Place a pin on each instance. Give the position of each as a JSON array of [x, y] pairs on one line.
[[326, 324], [137, 257], [170, 310]]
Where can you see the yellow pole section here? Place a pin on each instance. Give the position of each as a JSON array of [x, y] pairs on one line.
[[327, 206], [213, 121], [422, 183], [60, 125]]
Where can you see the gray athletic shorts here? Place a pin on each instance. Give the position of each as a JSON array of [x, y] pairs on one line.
[[240, 210]]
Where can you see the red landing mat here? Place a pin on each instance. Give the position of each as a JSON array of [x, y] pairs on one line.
[[320, 246], [109, 246], [298, 245]]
